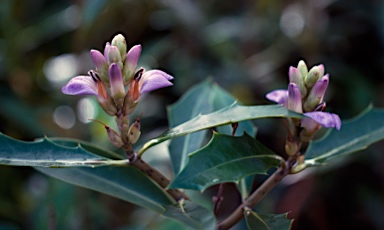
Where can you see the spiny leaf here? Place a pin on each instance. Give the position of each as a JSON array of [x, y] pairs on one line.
[[354, 135], [225, 159], [194, 101], [46, 153], [231, 114], [258, 221], [203, 98]]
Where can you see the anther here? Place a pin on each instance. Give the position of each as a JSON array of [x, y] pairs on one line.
[[138, 74], [94, 75]]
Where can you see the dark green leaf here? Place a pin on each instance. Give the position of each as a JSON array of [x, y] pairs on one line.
[[354, 135], [257, 221], [204, 98], [126, 183], [191, 214], [194, 102], [225, 159], [45, 153], [231, 114]]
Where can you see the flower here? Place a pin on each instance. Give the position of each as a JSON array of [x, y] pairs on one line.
[[91, 85], [114, 70], [305, 93]]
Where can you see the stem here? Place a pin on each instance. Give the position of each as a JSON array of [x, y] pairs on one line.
[[218, 198], [159, 178], [257, 195]]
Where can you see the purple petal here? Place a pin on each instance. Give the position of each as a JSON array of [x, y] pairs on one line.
[[80, 85], [294, 75], [114, 55], [154, 79], [328, 120], [294, 98], [133, 57], [279, 96], [116, 80], [98, 59], [106, 50], [316, 94]]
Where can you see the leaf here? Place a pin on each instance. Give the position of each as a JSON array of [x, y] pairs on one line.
[[193, 102], [354, 135], [222, 99], [231, 114], [257, 221], [126, 183], [192, 214], [201, 99], [45, 153], [72, 142], [225, 159]]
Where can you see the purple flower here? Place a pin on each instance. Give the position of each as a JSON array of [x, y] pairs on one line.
[[147, 81], [115, 69], [91, 85], [294, 100]]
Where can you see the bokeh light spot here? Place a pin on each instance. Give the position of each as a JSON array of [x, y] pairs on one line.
[[86, 110], [60, 69], [292, 21], [64, 117]]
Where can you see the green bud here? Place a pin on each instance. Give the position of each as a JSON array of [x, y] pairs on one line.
[[312, 77], [303, 68], [114, 56], [121, 44]]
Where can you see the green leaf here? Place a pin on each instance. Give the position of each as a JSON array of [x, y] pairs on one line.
[[354, 135], [194, 102], [126, 183], [72, 142], [46, 153], [191, 214], [231, 114], [225, 159], [203, 98], [257, 221]]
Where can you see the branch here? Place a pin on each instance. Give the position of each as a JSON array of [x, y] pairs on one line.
[[257, 195], [158, 177]]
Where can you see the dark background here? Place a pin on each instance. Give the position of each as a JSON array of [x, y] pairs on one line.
[[245, 46]]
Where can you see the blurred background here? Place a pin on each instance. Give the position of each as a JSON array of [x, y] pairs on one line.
[[245, 46]]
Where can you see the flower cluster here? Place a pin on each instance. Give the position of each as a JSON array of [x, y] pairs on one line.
[[116, 70], [305, 94]]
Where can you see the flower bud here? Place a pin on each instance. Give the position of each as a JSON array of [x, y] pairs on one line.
[[303, 69], [292, 147], [101, 65], [294, 98], [119, 42], [134, 131], [316, 94], [313, 76], [130, 63], [296, 77], [116, 81], [114, 137], [114, 56]]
